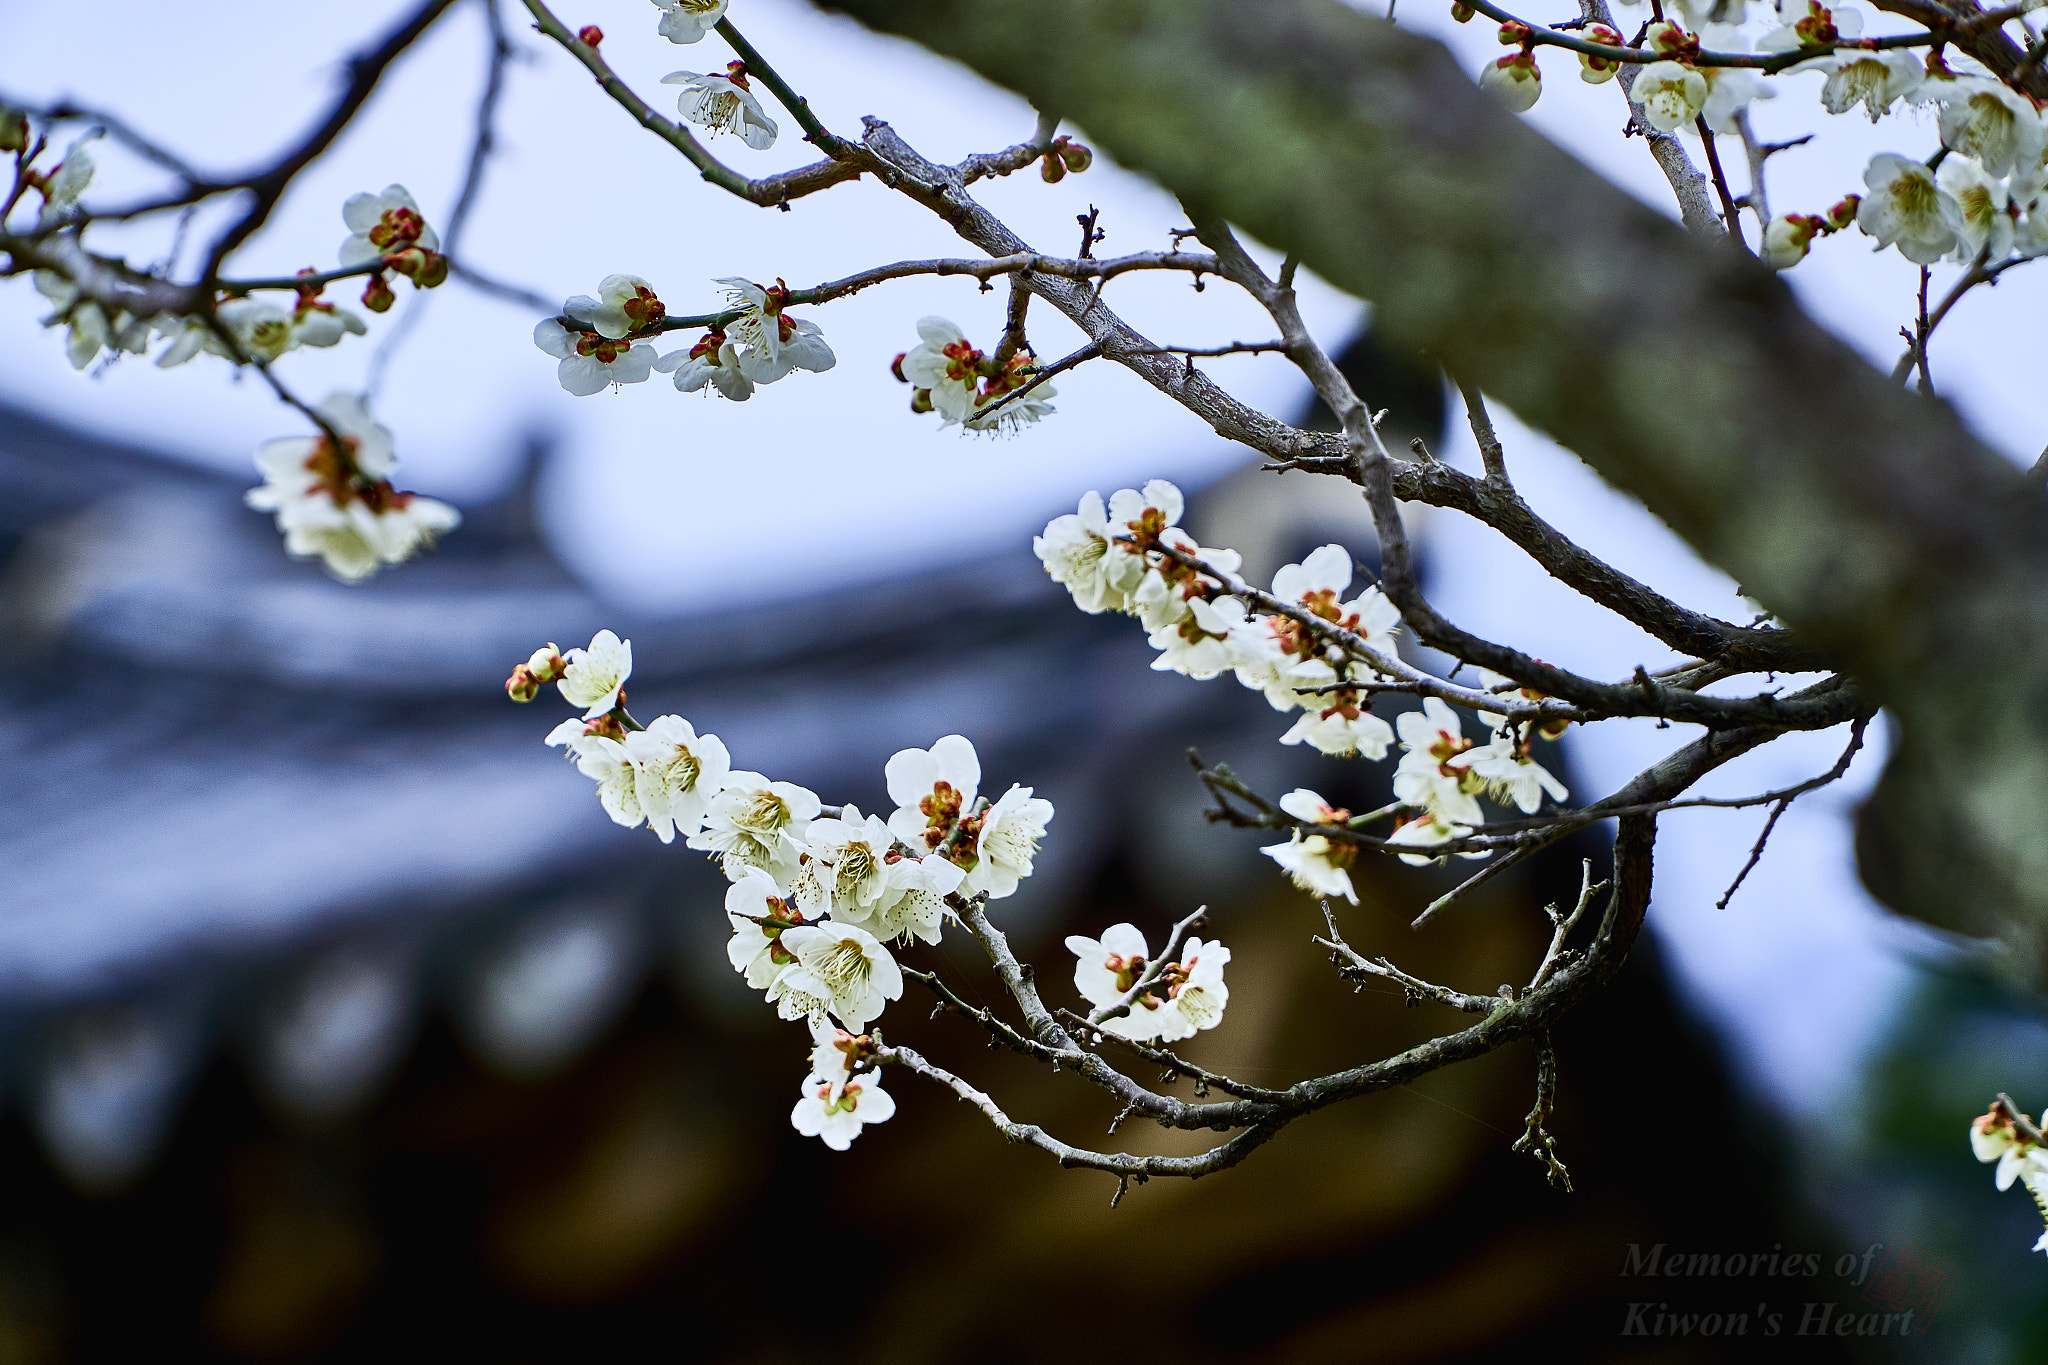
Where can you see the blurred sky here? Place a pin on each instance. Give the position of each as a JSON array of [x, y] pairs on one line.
[[675, 502]]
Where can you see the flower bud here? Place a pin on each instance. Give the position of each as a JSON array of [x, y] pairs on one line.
[[920, 400], [1671, 40], [13, 129], [522, 686], [1596, 70], [1513, 80], [546, 664], [590, 35], [1077, 157], [1787, 238], [1844, 213], [377, 295], [1514, 33], [1052, 168], [1462, 13], [896, 367], [423, 267]]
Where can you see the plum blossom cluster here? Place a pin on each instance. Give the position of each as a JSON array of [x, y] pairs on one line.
[[1144, 1000], [1978, 199], [606, 341], [821, 895], [1323, 661], [2005, 1136], [968, 388], [332, 495]]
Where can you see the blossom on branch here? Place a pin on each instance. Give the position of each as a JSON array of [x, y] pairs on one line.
[[383, 225], [1314, 862], [841, 970], [680, 771], [759, 911], [591, 361], [724, 104], [996, 847], [1906, 208], [593, 678], [1986, 120], [776, 342], [687, 21], [753, 822], [714, 362], [913, 899], [1081, 553], [1983, 227], [1426, 829], [836, 1113], [932, 788], [1670, 95], [338, 504], [1436, 771], [844, 868]]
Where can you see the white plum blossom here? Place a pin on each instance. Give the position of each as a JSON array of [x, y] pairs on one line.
[[1875, 80], [687, 21], [1427, 829], [759, 912], [996, 410], [1002, 841], [1436, 773], [607, 762], [845, 869], [1986, 120], [1983, 227], [594, 676], [1671, 95], [1995, 1138], [1508, 771], [714, 362], [1195, 993], [1201, 644], [841, 970], [932, 789], [1337, 723], [913, 900], [1314, 862], [946, 365], [835, 1114], [624, 304], [1908, 209], [753, 822], [1513, 80], [1106, 968], [680, 771], [88, 329], [1080, 552], [592, 362], [339, 506], [63, 185], [724, 104], [776, 342], [380, 224]]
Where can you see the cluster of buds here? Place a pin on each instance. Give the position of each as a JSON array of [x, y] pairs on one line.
[[546, 666], [1514, 79], [1790, 235], [1063, 156]]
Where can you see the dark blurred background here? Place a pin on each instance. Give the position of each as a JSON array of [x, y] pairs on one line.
[[337, 1021]]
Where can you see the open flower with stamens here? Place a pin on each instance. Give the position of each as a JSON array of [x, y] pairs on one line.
[[1195, 993], [714, 362], [946, 365], [1671, 95], [845, 869], [591, 361], [1314, 862], [1875, 80], [1994, 1137], [1906, 208], [932, 789], [759, 911], [913, 900], [835, 1114], [592, 678], [607, 762], [382, 225], [775, 342], [680, 771], [1105, 968], [338, 505], [1509, 772], [687, 21], [1436, 771], [997, 846], [753, 822], [1986, 120], [1427, 829], [724, 104], [1340, 723], [994, 408], [1212, 638], [1983, 227], [841, 970], [1080, 552]]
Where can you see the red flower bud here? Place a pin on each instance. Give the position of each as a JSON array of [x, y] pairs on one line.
[[590, 35]]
